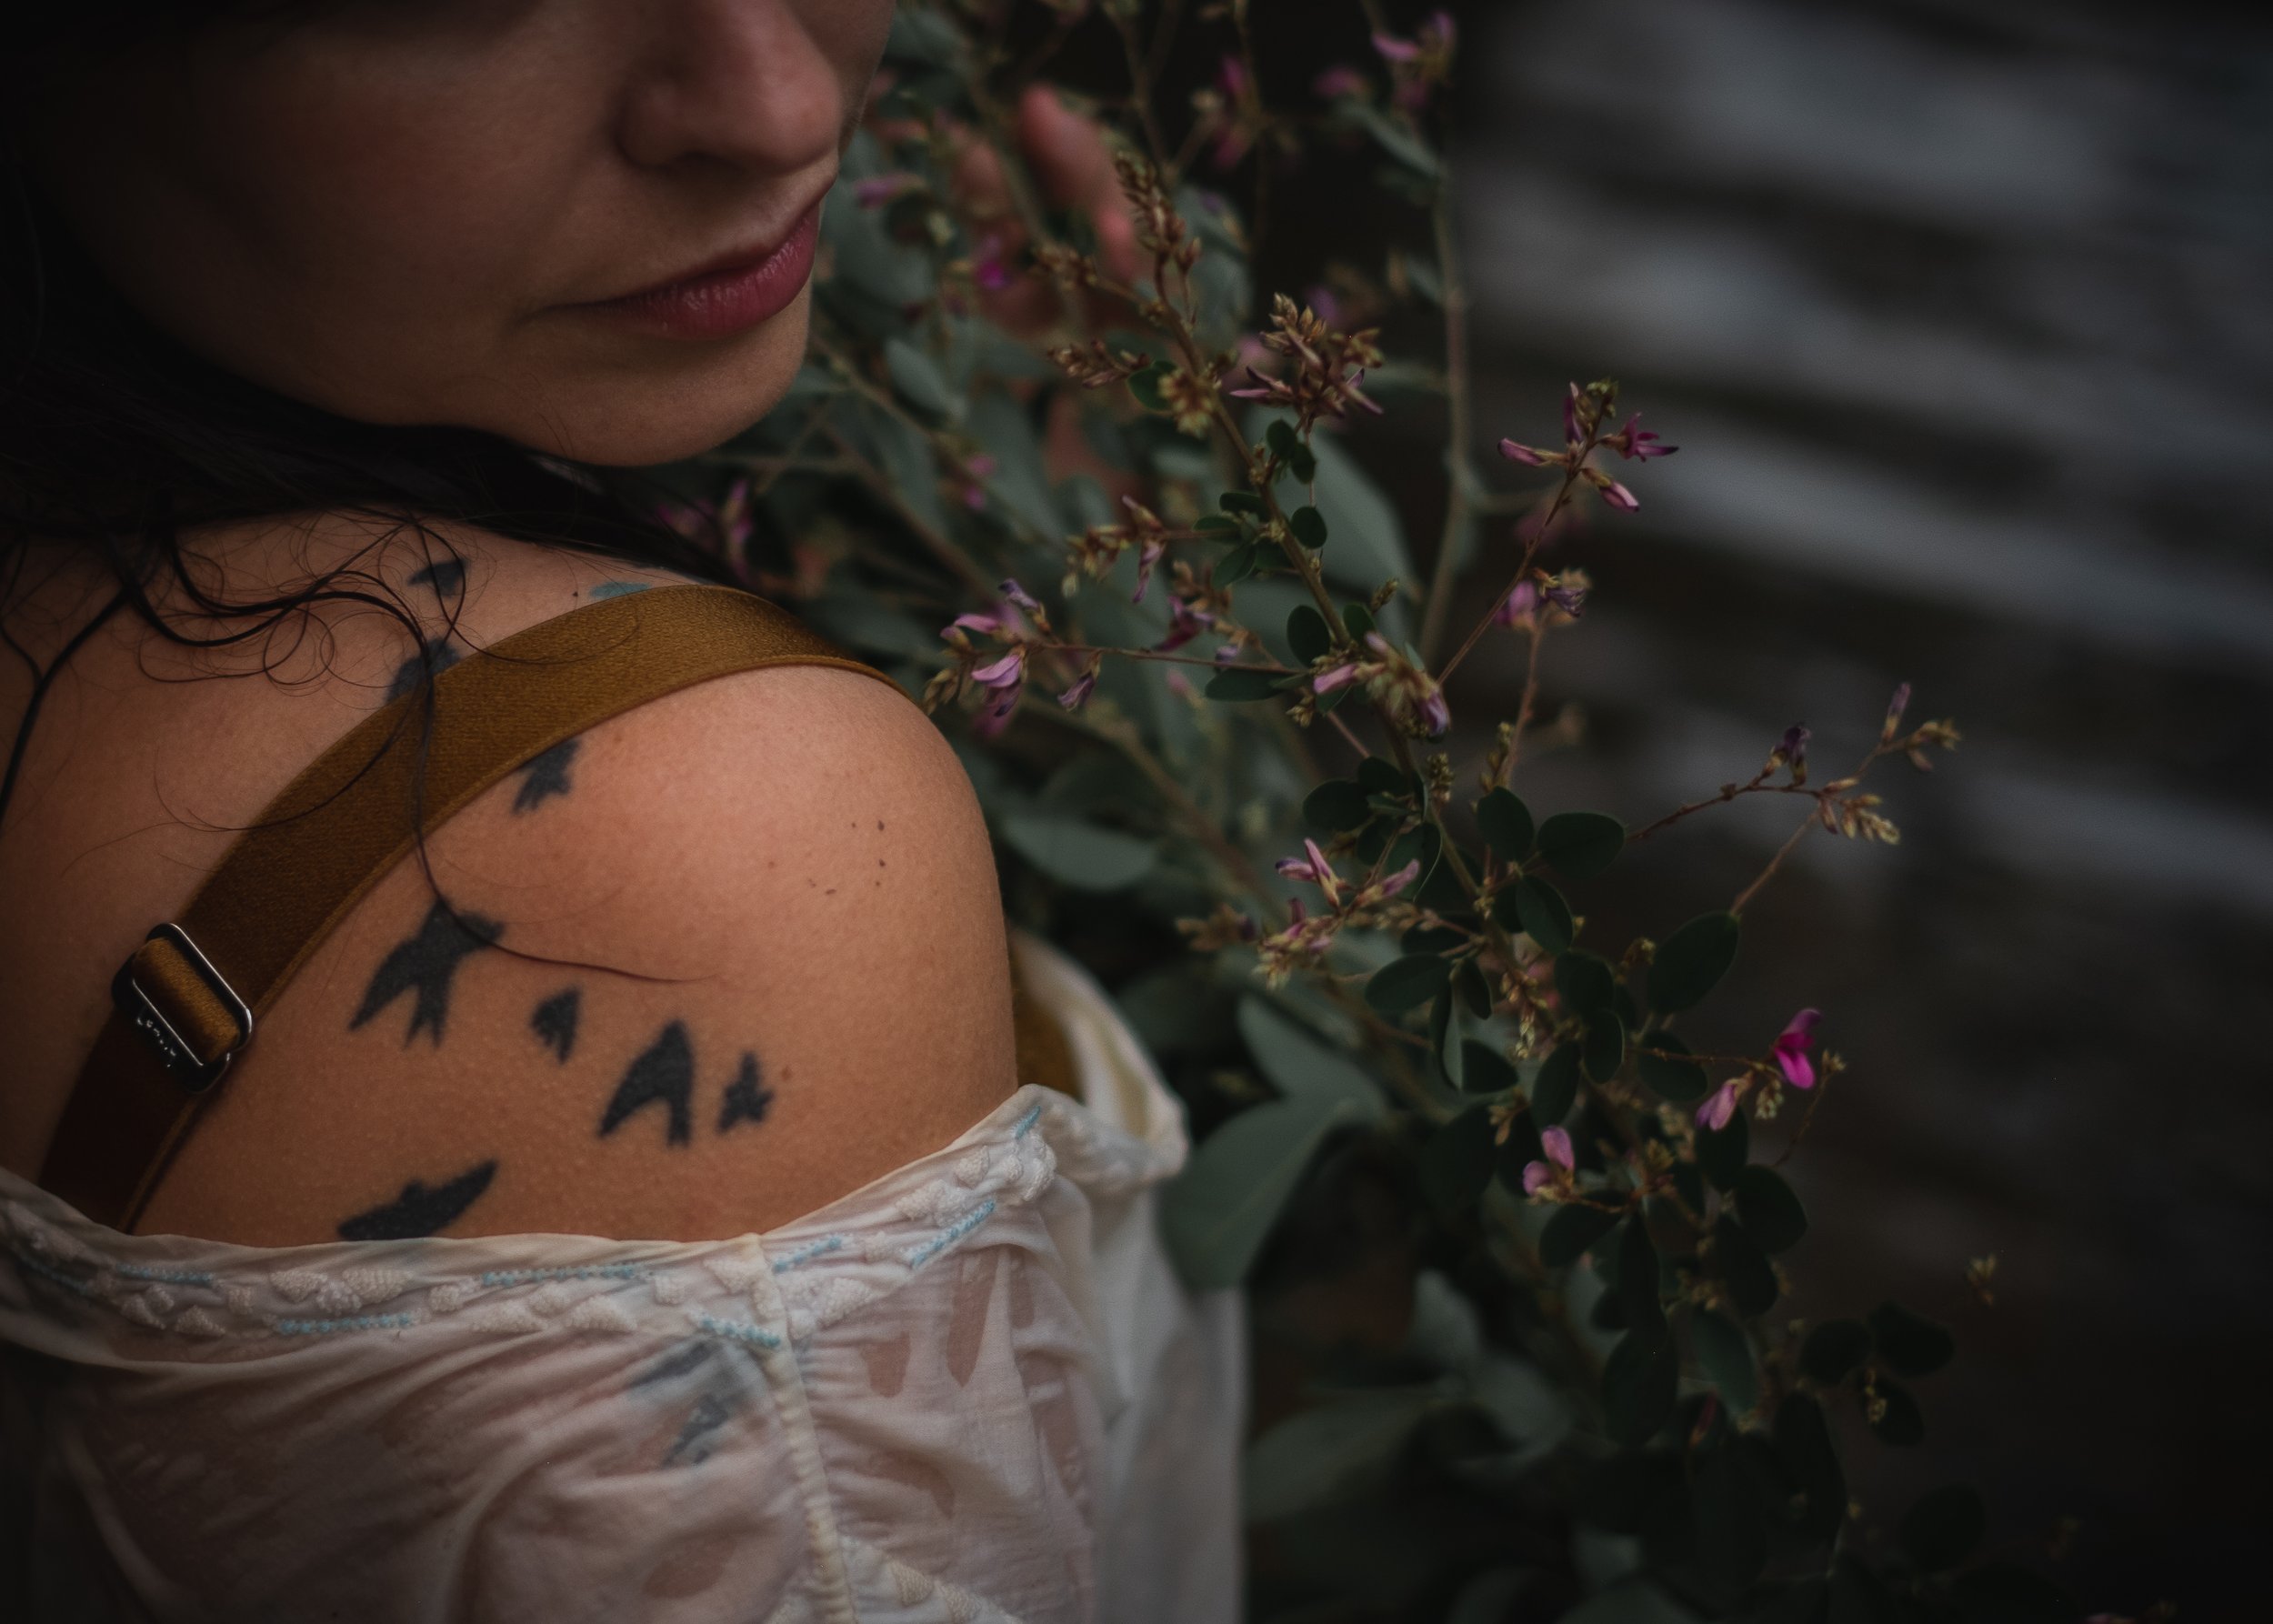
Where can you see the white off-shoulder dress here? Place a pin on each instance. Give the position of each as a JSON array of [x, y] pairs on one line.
[[971, 1390]]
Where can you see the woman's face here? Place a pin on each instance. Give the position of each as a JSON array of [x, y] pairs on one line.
[[585, 225]]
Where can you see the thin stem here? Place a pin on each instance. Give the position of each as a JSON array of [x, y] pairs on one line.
[[1460, 476]]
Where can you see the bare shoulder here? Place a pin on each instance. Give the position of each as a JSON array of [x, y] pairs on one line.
[[707, 966]]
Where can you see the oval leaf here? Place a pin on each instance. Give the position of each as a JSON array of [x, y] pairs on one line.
[[1542, 915], [1833, 1349], [1572, 1232], [1726, 1356], [1911, 1344], [1668, 1073], [1308, 526], [1585, 981], [1307, 634], [1770, 1212], [1581, 844], [917, 380], [1215, 1214], [1638, 1382], [1556, 1085], [1721, 1152], [1336, 806], [1604, 1047], [1692, 961], [1743, 1269], [1078, 853], [1239, 686], [1300, 1066], [1456, 1164], [1403, 983], [1506, 825]]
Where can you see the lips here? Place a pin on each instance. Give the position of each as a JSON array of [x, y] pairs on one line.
[[726, 297]]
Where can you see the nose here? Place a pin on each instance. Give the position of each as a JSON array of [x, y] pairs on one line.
[[742, 83]]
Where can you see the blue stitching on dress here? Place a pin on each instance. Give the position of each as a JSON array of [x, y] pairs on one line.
[[1026, 1121], [589, 1272], [740, 1331], [172, 1276], [807, 1252], [919, 1256], [361, 1322], [49, 1271]]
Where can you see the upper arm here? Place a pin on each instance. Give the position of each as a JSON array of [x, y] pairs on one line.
[[727, 957]]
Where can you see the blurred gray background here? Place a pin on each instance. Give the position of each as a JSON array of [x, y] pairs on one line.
[[1962, 315]]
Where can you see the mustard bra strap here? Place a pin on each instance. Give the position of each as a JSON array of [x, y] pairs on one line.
[[188, 1000]]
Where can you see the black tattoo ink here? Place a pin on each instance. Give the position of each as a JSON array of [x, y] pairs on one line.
[[419, 1210], [425, 965], [746, 1098], [438, 653], [620, 588], [554, 1022], [666, 1073], [446, 575], [546, 775]]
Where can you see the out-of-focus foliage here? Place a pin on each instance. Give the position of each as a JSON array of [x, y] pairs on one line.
[[1061, 467]]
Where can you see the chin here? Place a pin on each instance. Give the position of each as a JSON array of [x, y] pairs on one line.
[[659, 401]]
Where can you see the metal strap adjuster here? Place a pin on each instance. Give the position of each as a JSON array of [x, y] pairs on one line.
[[194, 1071]]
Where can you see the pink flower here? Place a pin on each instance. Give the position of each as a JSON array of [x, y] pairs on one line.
[[988, 269], [1227, 653], [1077, 696], [1148, 556], [1720, 1110], [1312, 866], [1325, 682], [1515, 451], [1517, 608], [1537, 1174], [1391, 884], [1569, 599], [1185, 623], [1008, 672], [1009, 587], [1616, 494], [994, 715], [1395, 49], [1791, 1049], [1639, 443]]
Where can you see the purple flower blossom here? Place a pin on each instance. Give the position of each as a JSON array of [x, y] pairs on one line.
[[1008, 672], [1394, 49], [1571, 600], [1720, 1110], [1185, 623], [994, 715], [1017, 594], [1572, 433], [1515, 451], [986, 267], [1791, 1049], [1391, 884], [1517, 608], [1617, 495], [1077, 696], [1538, 1175], [1148, 556], [1227, 653], [1325, 682], [1639, 443]]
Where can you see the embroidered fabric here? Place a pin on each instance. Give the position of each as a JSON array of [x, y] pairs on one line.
[[971, 1390]]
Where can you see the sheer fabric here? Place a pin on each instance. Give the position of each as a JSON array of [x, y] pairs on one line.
[[971, 1390]]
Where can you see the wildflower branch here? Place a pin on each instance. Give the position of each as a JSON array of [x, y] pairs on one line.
[[1460, 479]]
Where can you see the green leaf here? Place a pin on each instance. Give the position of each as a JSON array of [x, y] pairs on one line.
[[1146, 386], [1358, 620], [1833, 1349], [1604, 1047], [1393, 138], [1506, 825], [1581, 844], [1475, 992], [1456, 1164], [1556, 1085], [1217, 1213], [1369, 537], [1572, 1232], [1802, 1443], [1770, 1213], [1382, 778], [1542, 915], [1485, 1070], [917, 380], [1281, 438], [1403, 983], [1900, 1422], [1432, 938], [1726, 1356], [1668, 1074], [1241, 502], [1422, 843], [1639, 1381], [1911, 1344], [1308, 526], [1078, 853], [1638, 1274], [1721, 1152], [1692, 961], [1239, 683], [1217, 524], [1307, 634], [1585, 981], [1303, 464], [1336, 806], [1239, 563], [1944, 1527], [1998, 1593], [1743, 1269], [1443, 1035], [1300, 1066]]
